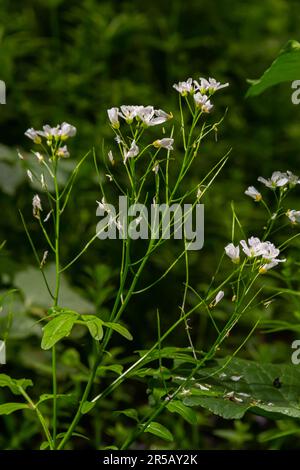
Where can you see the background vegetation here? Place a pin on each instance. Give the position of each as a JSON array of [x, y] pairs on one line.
[[70, 61]]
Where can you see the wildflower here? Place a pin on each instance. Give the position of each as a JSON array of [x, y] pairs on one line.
[[67, 130], [33, 135], [128, 113], [39, 156], [110, 178], [211, 85], [111, 157], [113, 115], [184, 88], [63, 152], [118, 140], [152, 117], [44, 259], [43, 183], [156, 168], [29, 174], [252, 192], [217, 299], [233, 252], [132, 152], [36, 206], [203, 102], [164, 143], [265, 267], [277, 180], [254, 248], [293, 215], [293, 179], [49, 132]]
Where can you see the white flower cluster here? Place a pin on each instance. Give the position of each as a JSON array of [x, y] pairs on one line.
[[201, 91], [147, 115], [255, 248], [57, 134], [277, 180]]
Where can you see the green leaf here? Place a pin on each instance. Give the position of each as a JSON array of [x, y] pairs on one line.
[[87, 407], [58, 328], [286, 67], [49, 396], [9, 408], [119, 329], [94, 325], [176, 406], [130, 413], [160, 431], [13, 384], [116, 368], [231, 387]]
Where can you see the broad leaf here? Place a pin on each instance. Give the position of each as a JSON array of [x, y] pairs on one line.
[[233, 386], [13, 384], [58, 328], [94, 325], [9, 408], [160, 431], [285, 68]]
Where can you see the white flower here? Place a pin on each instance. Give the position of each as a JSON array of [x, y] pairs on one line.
[[164, 143], [184, 88], [49, 132], [203, 102], [277, 180], [254, 249], [233, 252], [33, 135], [63, 152], [152, 117], [156, 168], [111, 157], [132, 152], [252, 192], [44, 259], [211, 85], [29, 174], [128, 113], [39, 156], [67, 130], [36, 206], [43, 183], [118, 140], [270, 251], [113, 115], [265, 267], [293, 215], [217, 299], [293, 179]]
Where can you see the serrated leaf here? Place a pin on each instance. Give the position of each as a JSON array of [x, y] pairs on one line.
[[57, 329], [176, 406], [160, 431], [14, 384], [9, 408], [94, 325], [119, 329], [285, 68]]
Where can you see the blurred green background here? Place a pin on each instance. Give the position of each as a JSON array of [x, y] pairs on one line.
[[70, 61]]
